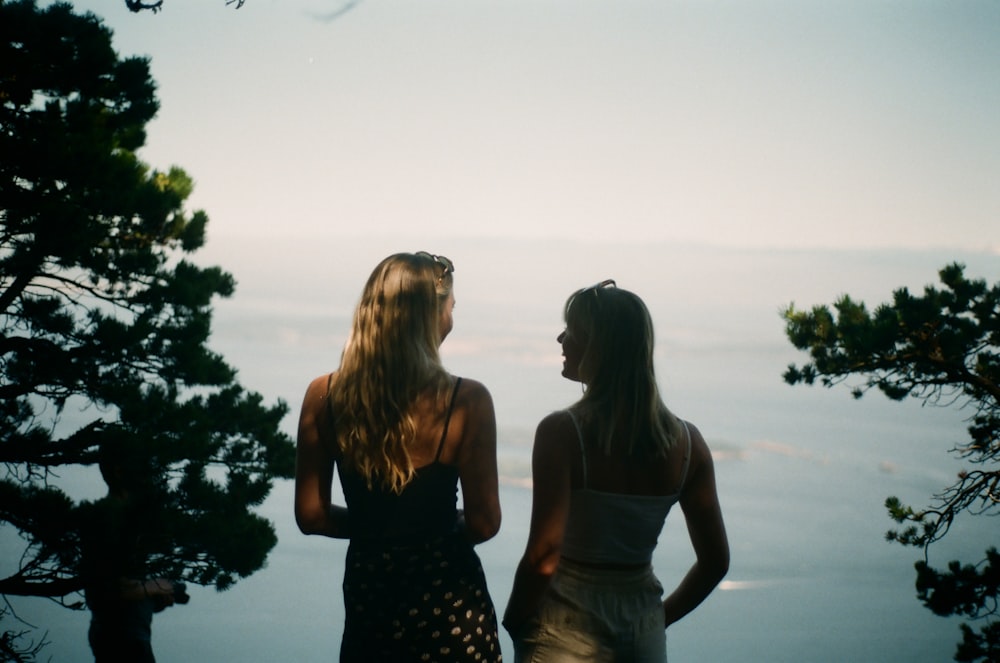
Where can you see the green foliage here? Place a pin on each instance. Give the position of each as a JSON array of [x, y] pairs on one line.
[[104, 323], [964, 590], [971, 591], [981, 646], [942, 347]]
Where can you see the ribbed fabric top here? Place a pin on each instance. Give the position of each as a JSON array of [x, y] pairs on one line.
[[614, 528]]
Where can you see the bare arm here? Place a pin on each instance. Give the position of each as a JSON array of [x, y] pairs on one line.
[[551, 471], [700, 503], [314, 462], [477, 464]]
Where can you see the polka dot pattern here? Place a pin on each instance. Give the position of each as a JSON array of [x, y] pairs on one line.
[[423, 602]]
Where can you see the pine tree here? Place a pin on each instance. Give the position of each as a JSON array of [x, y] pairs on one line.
[[104, 322], [943, 348]]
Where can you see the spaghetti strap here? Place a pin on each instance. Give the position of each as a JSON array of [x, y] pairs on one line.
[[447, 418], [583, 451], [687, 455]]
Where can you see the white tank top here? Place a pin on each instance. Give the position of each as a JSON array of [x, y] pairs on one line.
[[614, 528]]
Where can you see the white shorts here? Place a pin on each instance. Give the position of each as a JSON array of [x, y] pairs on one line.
[[590, 614]]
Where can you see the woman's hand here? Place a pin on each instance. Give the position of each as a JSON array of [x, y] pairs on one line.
[[552, 460]]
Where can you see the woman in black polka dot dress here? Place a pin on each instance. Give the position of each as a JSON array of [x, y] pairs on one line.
[[401, 433]]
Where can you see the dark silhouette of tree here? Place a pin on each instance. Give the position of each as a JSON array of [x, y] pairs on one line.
[[104, 323], [157, 5], [943, 348]]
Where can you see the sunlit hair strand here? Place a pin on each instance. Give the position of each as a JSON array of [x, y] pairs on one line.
[[390, 359]]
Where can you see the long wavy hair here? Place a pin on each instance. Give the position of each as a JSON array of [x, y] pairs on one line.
[[621, 397], [389, 360]]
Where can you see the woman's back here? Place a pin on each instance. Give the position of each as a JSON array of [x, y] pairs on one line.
[[619, 472], [414, 585], [454, 440], [426, 507], [618, 503]]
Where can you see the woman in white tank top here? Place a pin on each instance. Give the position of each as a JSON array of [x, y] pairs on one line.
[[606, 472]]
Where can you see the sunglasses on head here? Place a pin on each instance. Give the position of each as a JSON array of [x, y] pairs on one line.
[[606, 283], [447, 264]]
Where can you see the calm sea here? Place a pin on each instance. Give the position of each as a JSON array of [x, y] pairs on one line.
[[803, 472]]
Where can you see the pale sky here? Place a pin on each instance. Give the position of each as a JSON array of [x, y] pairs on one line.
[[751, 123]]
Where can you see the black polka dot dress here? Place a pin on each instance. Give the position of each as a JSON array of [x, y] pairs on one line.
[[418, 602], [414, 587]]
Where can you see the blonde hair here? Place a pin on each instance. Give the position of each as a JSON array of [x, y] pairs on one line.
[[390, 359], [616, 367]]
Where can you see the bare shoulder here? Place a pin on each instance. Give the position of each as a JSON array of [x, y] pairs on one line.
[[697, 439], [701, 466], [473, 399], [320, 384], [558, 423], [474, 427], [699, 447], [556, 433], [555, 455], [313, 412], [317, 390], [472, 391], [316, 428]]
